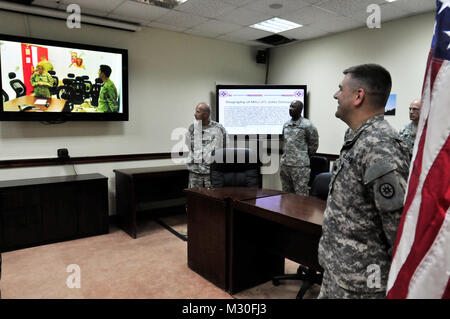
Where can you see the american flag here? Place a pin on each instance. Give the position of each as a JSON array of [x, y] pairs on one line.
[[421, 259]]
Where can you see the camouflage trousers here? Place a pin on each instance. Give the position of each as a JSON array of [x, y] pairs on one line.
[[331, 290], [199, 180], [295, 179]]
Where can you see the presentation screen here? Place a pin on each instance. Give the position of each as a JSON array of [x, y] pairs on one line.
[[256, 109], [49, 80]]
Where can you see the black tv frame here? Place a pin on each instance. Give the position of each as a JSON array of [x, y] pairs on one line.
[[264, 86], [68, 116]]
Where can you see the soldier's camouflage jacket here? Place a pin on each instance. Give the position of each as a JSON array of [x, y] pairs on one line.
[[108, 99], [364, 206], [408, 135], [207, 139], [301, 140]]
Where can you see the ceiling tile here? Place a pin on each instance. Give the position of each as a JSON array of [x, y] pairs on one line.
[[244, 17], [337, 24], [347, 7], [303, 33], [238, 3], [140, 11], [313, 1], [90, 6], [206, 8], [416, 6], [319, 17], [287, 6], [181, 19], [47, 3], [388, 12], [308, 15]]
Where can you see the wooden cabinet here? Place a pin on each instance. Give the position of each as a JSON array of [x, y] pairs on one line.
[[45, 210], [150, 188]]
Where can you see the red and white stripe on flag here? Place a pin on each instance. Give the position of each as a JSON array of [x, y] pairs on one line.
[[421, 261]]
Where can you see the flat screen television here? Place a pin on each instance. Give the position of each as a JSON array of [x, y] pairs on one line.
[[257, 109], [45, 80]]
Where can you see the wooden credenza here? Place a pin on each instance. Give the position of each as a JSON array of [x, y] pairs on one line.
[[148, 188], [46, 210]]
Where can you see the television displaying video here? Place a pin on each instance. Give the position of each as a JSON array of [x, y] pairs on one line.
[[46, 77], [256, 109]]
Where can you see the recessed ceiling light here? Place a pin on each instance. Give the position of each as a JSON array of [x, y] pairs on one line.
[[276, 25], [276, 6], [390, 0]]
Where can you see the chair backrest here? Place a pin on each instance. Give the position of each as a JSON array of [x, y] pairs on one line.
[[17, 85], [95, 91], [54, 88], [318, 164], [5, 96], [235, 167], [321, 185]]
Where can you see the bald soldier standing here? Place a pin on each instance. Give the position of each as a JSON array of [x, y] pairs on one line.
[[202, 138], [408, 133], [367, 190], [301, 140]]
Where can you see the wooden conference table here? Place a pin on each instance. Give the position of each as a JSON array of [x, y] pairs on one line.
[[56, 105], [238, 237], [208, 212]]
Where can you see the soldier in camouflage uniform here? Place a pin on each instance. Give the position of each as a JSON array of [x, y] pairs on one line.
[[107, 99], [300, 142], [41, 81], [408, 133], [202, 138], [367, 189]]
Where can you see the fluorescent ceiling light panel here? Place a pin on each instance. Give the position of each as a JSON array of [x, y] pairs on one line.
[[390, 0], [276, 25]]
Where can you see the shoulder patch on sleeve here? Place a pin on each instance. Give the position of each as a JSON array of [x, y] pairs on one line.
[[377, 170], [388, 193]]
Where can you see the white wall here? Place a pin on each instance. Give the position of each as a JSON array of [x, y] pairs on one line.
[[169, 73], [400, 46]]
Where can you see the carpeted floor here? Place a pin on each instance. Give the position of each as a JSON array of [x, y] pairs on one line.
[[153, 266]]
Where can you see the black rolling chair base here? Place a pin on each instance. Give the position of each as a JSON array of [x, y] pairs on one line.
[[308, 276]]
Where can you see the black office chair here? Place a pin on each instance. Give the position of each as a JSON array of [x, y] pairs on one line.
[[87, 86], [54, 88], [95, 91], [5, 96], [321, 186], [17, 85], [241, 168], [318, 164], [309, 276]]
